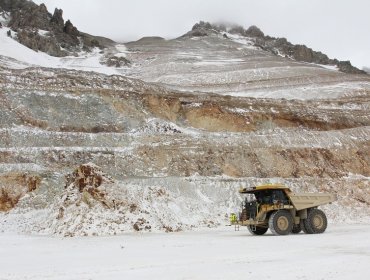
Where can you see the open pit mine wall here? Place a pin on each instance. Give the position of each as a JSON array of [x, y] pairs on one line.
[[52, 121], [60, 130]]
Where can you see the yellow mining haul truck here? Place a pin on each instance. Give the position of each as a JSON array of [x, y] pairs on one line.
[[276, 207]]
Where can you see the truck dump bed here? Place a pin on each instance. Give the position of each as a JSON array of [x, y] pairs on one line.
[[308, 200]]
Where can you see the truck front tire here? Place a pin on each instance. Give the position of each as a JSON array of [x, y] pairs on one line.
[[258, 230], [281, 222]]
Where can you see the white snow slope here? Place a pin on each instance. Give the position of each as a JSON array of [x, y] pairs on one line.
[[233, 67], [343, 252], [16, 56]]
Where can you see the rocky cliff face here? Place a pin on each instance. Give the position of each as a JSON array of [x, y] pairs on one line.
[[39, 30]]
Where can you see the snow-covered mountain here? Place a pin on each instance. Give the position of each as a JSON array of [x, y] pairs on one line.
[[179, 124]]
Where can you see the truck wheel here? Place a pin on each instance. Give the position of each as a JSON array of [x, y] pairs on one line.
[[258, 231], [281, 222], [306, 227], [317, 221], [296, 229]]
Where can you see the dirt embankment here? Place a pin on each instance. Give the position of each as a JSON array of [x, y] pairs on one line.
[[260, 163], [225, 113], [127, 104], [13, 186]]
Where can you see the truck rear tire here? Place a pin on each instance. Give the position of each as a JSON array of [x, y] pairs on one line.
[[317, 221], [296, 229], [258, 231], [306, 227], [281, 222]]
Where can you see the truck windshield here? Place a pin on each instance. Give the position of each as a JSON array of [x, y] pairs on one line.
[[271, 196]]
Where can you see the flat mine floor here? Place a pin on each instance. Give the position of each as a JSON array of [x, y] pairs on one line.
[[342, 252]]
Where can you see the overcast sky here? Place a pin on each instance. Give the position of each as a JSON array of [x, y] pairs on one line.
[[339, 28]]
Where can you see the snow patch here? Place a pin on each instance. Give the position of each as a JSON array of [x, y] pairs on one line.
[[329, 67], [239, 110], [43, 32], [122, 50], [155, 126], [4, 18], [22, 57], [245, 41]]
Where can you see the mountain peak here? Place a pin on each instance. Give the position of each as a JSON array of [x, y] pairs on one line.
[[276, 46], [202, 25], [202, 29], [30, 21]]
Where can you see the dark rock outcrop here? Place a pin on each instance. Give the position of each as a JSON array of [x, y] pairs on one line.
[[63, 38], [281, 46], [202, 25], [14, 5], [29, 20], [70, 29], [277, 46], [237, 29], [303, 53], [35, 41], [117, 62], [57, 20], [32, 16], [254, 31], [346, 67], [202, 29]]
